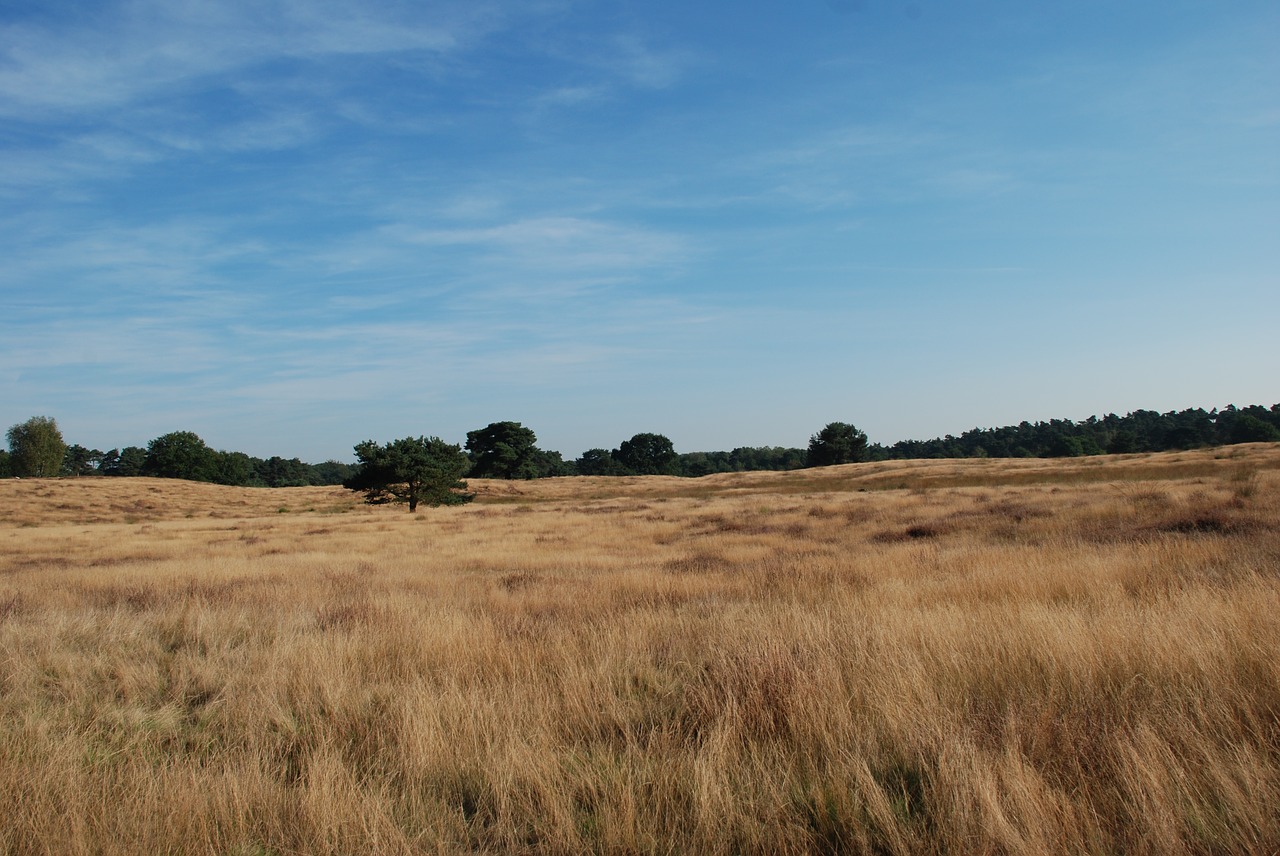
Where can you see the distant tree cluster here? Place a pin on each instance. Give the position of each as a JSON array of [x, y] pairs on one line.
[[36, 449], [644, 454], [841, 443], [742, 459], [653, 454], [837, 443], [183, 455], [1139, 431], [508, 450]]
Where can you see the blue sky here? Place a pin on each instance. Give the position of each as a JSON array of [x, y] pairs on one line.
[[292, 226]]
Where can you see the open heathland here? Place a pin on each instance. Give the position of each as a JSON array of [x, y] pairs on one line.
[[979, 656]]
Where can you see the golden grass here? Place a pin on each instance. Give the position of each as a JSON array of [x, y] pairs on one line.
[[922, 657]]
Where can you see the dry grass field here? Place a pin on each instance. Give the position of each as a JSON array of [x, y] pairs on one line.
[[992, 657]]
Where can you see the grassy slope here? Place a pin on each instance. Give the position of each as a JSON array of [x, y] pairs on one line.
[[950, 656]]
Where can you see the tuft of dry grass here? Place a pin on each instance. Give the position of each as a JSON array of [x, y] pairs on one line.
[[925, 657]]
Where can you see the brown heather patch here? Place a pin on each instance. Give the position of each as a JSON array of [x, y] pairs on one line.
[[12, 605], [926, 657], [913, 530], [700, 562]]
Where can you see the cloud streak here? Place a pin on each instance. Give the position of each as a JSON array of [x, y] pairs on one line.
[[559, 245], [131, 51]]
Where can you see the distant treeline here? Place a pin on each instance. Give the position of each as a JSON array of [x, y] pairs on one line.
[[509, 450], [183, 455], [1139, 431]]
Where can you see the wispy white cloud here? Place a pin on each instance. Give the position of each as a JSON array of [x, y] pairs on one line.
[[831, 145], [637, 61], [970, 180], [281, 130], [162, 259], [623, 60], [571, 96], [136, 50], [60, 166], [825, 167], [153, 344], [575, 252], [472, 204], [100, 96]]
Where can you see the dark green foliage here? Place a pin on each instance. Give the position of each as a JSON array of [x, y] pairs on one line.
[[181, 455], [5, 470], [1251, 429], [837, 443], [508, 450], [109, 463], [742, 459], [233, 468], [1062, 445], [330, 472], [695, 464], [550, 464], [36, 448], [1139, 431], [648, 455], [412, 470], [280, 472], [503, 450], [129, 461], [79, 461], [599, 462], [767, 458], [1124, 442]]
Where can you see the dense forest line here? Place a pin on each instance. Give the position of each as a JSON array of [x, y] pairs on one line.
[[180, 454], [1139, 431], [509, 450]]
